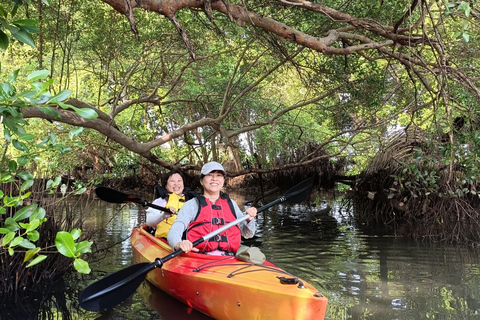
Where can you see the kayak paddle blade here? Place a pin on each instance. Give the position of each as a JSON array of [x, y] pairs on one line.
[[106, 293], [114, 196], [300, 192]]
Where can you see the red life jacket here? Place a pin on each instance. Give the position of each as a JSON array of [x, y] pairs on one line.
[[211, 217]]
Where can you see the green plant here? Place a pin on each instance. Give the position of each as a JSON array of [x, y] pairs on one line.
[[21, 229]]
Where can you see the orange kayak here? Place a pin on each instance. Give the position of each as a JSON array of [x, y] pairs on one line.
[[226, 288]]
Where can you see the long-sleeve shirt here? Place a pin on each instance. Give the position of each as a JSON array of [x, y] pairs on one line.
[[155, 216], [187, 214]]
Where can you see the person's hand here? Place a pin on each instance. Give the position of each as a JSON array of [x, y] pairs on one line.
[[172, 210], [186, 246], [252, 212]]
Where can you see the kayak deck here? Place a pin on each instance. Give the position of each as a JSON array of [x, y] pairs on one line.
[[226, 288]]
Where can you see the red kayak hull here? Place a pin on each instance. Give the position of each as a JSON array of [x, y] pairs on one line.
[[227, 288]]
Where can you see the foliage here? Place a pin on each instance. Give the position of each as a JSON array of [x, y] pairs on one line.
[[20, 230], [20, 29]]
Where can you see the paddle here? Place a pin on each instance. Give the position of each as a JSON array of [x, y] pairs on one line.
[[106, 293], [114, 196]]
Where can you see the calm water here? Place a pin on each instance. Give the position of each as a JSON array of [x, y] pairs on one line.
[[365, 276]]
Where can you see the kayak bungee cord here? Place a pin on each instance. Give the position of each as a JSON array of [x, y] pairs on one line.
[[259, 268]]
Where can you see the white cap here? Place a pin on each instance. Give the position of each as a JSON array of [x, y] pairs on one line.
[[212, 166]]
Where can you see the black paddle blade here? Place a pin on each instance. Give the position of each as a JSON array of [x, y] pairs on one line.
[[300, 192], [296, 194], [114, 196], [106, 293]]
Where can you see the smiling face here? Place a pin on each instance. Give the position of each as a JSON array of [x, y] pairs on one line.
[[212, 183], [175, 184]]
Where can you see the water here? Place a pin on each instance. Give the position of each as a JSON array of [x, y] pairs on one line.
[[365, 276]]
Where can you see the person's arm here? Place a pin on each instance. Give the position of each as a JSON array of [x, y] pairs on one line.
[[185, 215], [246, 228], [155, 216]]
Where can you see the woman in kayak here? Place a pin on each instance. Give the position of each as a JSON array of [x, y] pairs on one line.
[[172, 197], [204, 214]]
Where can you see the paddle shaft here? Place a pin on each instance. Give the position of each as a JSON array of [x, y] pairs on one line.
[[154, 206]]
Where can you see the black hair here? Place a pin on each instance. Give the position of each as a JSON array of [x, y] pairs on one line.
[[171, 173], [203, 175]]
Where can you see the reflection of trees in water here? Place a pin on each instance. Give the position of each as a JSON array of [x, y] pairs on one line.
[[46, 301], [32, 293]]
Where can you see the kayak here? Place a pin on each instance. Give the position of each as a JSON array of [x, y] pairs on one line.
[[224, 287]]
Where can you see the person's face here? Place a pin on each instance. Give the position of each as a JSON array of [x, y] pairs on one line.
[[175, 184], [213, 182]]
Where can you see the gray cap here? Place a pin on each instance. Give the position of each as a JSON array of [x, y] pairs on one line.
[[212, 166]]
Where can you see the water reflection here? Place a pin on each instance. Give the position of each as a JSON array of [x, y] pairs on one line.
[[364, 275]]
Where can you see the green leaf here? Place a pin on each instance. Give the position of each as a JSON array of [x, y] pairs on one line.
[[24, 213], [22, 160], [79, 144], [38, 74], [25, 22], [11, 252], [81, 191], [24, 37], [32, 225], [11, 224], [15, 242], [14, 75], [26, 137], [25, 175], [26, 244], [84, 247], [9, 237], [4, 230], [40, 213], [61, 96], [26, 185], [30, 254], [50, 111], [76, 233], [37, 260], [7, 134], [19, 145], [75, 132], [53, 139], [33, 235], [81, 266], [65, 244], [12, 166], [3, 40], [86, 113], [11, 201], [3, 12]]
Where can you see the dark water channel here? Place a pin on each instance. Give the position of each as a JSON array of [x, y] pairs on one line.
[[365, 276]]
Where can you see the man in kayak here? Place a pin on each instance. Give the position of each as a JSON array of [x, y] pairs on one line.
[[205, 214], [172, 197]]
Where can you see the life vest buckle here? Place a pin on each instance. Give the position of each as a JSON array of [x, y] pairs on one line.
[[218, 221], [219, 238]]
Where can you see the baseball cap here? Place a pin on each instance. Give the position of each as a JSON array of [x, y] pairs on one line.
[[212, 166]]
